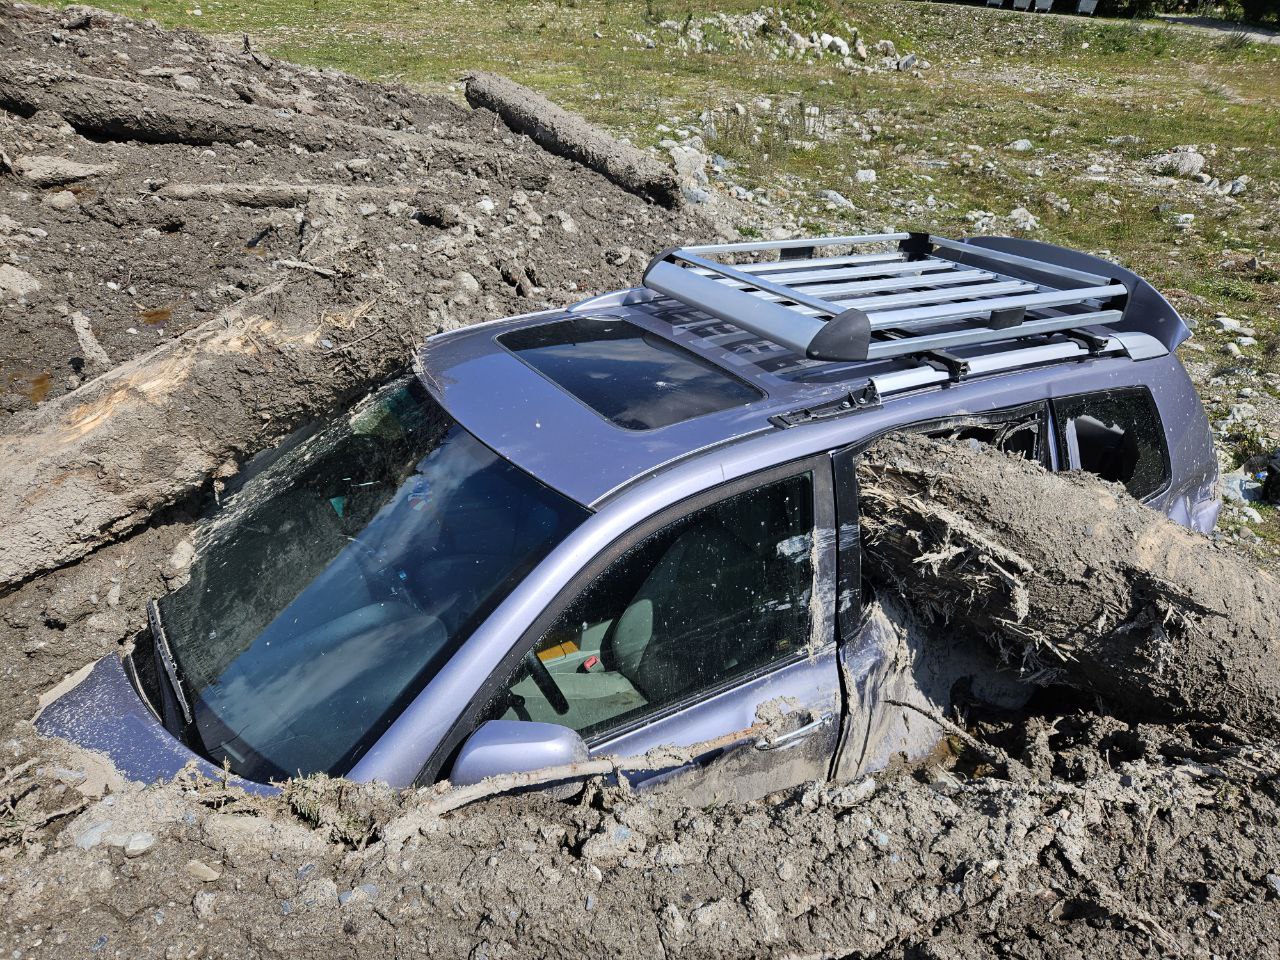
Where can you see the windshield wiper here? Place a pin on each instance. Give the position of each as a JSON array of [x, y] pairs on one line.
[[167, 667]]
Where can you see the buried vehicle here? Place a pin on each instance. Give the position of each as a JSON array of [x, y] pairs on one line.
[[633, 523]]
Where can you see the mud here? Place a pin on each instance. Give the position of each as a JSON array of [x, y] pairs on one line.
[[1101, 593], [1053, 831]]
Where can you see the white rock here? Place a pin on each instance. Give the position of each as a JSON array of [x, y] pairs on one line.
[[464, 282], [886, 48], [62, 200], [1022, 219], [860, 49], [907, 62], [1021, 146], [57, 172], [865, 176], [186, 83], [1226, 323], [16, 283], [1182, 162], [832, 196], [486, 204], [138, 844]]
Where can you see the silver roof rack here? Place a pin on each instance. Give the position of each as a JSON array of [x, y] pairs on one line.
[[918, 296]]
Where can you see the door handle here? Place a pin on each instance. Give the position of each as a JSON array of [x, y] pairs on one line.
[[796, 735]]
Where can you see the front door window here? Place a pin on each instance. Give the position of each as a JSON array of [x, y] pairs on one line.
[[717, 595]]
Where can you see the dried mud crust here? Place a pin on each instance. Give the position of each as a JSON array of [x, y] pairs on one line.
[[151, 178], [1131, 842]]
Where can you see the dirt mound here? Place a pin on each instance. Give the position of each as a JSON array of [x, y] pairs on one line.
[[150, 179]]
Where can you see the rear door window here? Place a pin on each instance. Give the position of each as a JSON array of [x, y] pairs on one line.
[[1117, 435]]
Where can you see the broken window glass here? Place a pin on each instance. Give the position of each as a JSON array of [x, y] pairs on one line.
[[1117, 435]]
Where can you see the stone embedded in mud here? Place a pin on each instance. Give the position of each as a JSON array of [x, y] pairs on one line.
[[612, 841], [15, 282], [57, 172], [199, 870], [139, 843]]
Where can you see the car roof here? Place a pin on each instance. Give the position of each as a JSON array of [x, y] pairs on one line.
[[496, 390]]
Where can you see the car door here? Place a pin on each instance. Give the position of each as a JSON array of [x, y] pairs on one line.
[[891, 655], [706, 619]]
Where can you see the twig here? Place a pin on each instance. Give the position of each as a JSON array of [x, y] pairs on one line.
[[301, 265], [987, 750]]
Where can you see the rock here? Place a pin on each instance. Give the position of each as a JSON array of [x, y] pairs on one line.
[[690, 164], [93, 836], [1181, 162], [611, 841], [695, 195], [1226, 324], [46, 171], [1021, 146], [1273, 881], [361, 894], [1238, 186], [358, 164], [865, 176], [465, 283], [860, 49], [567, 223], [62, 200], [16, 283], [764, 916], [203, 903], [907, 62], [186, 83], [671, 923], [839, 199], [1250, 514], [1022, 219], [138, 844], [837, 45], [199, 870], [886, 48]]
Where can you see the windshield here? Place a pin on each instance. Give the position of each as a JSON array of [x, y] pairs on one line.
[[341, 575]]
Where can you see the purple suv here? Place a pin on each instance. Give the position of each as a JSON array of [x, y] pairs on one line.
[[634, 522]]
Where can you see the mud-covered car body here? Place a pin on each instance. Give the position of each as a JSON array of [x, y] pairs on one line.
[[684, 463]]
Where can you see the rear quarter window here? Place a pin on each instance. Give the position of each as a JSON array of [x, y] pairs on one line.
[[1116, 434]]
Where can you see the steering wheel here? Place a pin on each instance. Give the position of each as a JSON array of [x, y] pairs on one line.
[[545, 683]]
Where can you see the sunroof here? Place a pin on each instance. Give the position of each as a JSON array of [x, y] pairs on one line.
[[633, 378]]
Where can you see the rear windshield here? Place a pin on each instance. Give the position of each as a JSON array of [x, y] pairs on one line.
[[633, 378], [341, 576]]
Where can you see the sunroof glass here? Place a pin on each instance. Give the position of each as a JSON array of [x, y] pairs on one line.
[[631, 377]]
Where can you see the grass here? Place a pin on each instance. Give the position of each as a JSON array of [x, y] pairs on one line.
[[1086, 92]]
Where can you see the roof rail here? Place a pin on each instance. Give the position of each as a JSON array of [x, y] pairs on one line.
[[917, 295]]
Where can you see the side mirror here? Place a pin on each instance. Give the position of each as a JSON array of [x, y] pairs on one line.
[[515, 746]]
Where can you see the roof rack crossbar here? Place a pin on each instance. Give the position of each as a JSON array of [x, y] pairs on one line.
[[976, 308], [786, 266], [843, 293], [802, 281], [925, 343], [841, 308], [758, 246], [1092, 279]]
